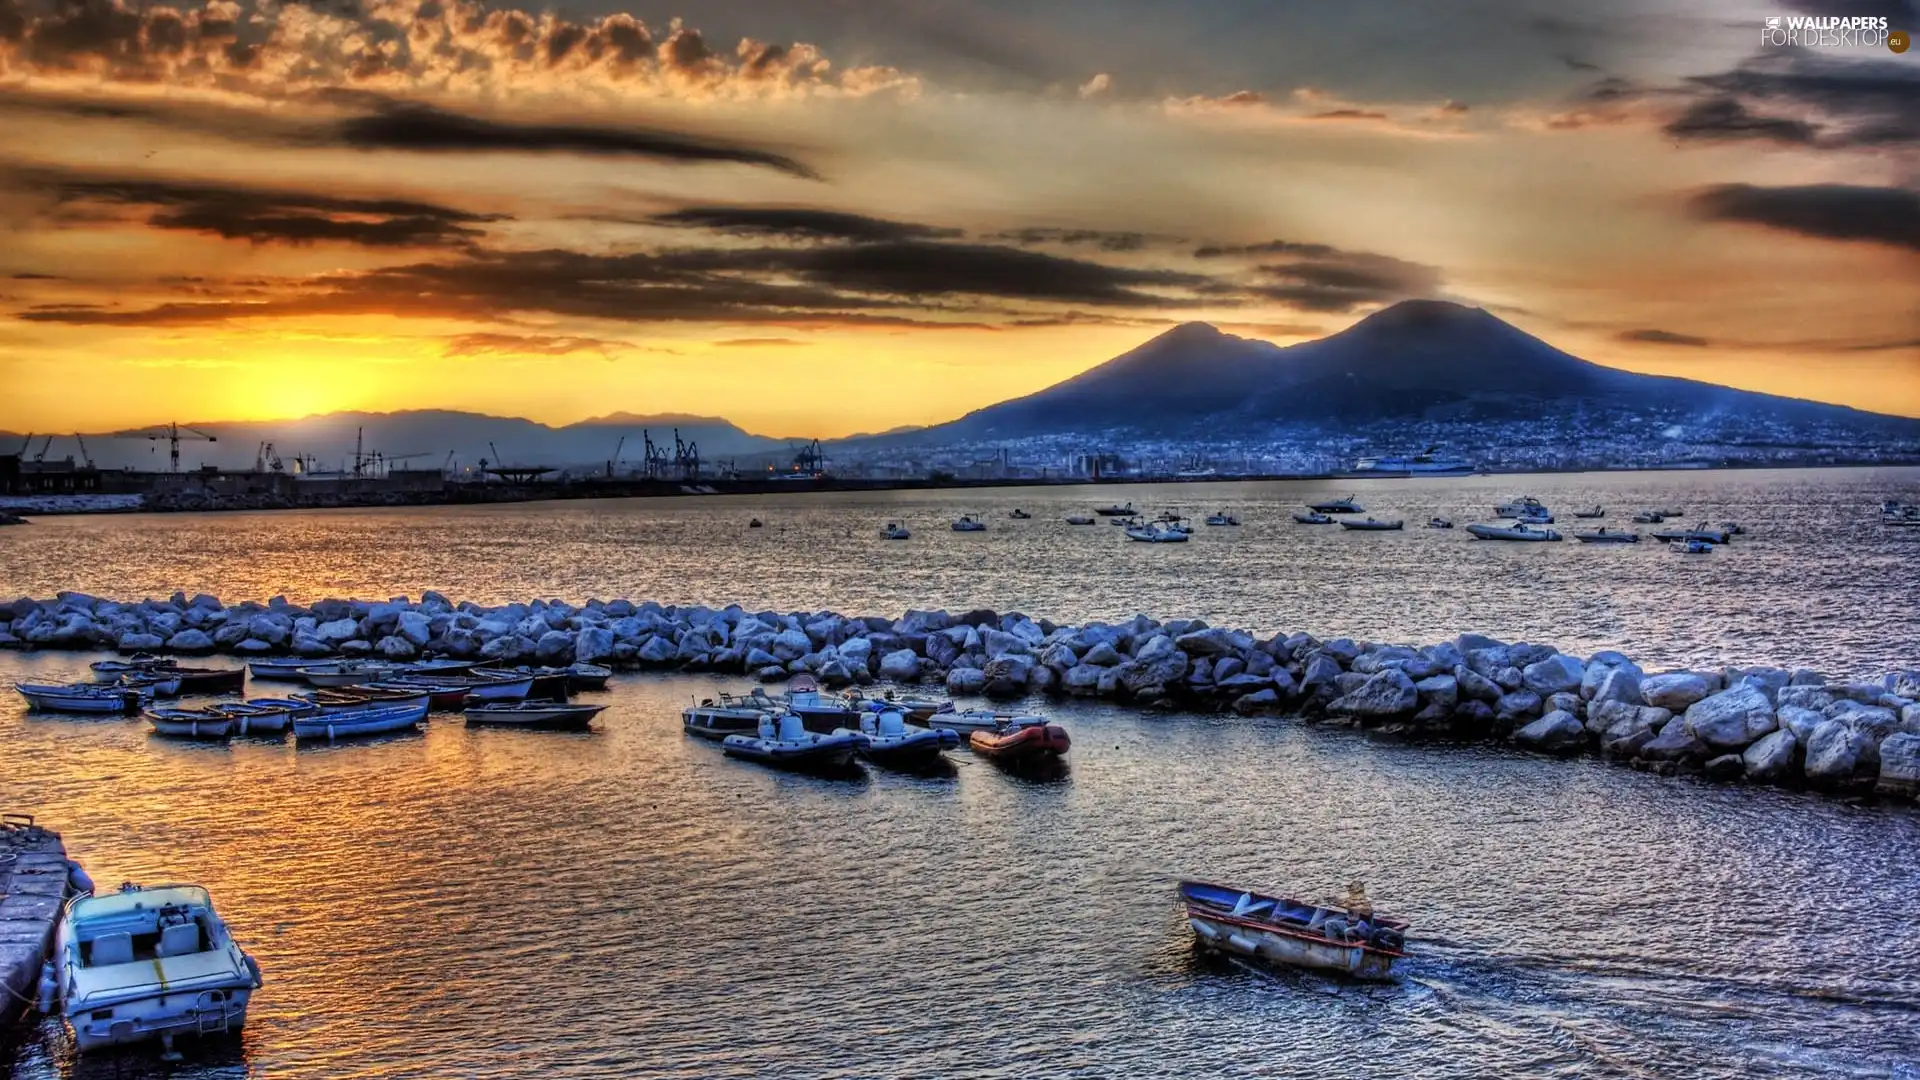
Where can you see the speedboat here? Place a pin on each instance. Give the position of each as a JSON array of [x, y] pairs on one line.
[[1157, 534], [107, 671], [896, 531], [1649, 517], [1116, 511], [190, 723], [1079, 519], [1313, 518], [1517, 531], [1604, 535], [82, 697], [818, 710], [787, 744], [1372, 525], [1337, 506], [1691, 547], [1519, 507], [285, 668], [1439, 523], [1020, 742], [1222, 518], [965, 722], [147, 963], [969, 523], [886, 739], [550, 715], [730, 714], [368, 721], [1595, 512], [1019, 514], [1349, 941], [1669, 511], [585, 676]]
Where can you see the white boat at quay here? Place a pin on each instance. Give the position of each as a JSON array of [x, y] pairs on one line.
[[147, 963], [1520, 531]]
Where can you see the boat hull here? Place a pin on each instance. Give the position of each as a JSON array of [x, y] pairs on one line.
[[1373, 526], [1287, 932], [210, 727], [107, 704], [1497, 532], [576, 718], [1286, 950], [283, 670], [1609, 538], [1032, 742], [706, 722], [263, 721], [182, 1012], [825, 753], [355, 724]]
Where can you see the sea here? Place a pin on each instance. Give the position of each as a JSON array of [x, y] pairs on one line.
[[628, 902]]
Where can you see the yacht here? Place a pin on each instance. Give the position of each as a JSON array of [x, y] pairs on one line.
[[1426, 463], [1337, 506], [148, 963]]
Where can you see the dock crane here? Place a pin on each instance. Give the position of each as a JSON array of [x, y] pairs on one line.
[[615, 463], [85, 455], [686, 457], [265, 459], [174, 434], [656, 457], [41, 457]]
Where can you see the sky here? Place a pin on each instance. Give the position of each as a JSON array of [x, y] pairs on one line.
[[816, 217]]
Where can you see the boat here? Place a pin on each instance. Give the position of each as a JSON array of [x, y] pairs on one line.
[[369, 721], [285, 668], [1222, 518], [1593, 512], [1733, 528], [1158, 534], [189, 723], [1701, 532], [1669, 511], [1439, 523], [159, 682], [257, 717], [1907, 520], [967, 721], [1692, 547], [1115, 511], [1019, 514], [969, 523], [754, 524], [1126, 522], [1313, 518], [786, 743], [356, 698], [730, 714], [1174, 521], [1021, 742], [1079, 519], [81, 697], [107, 671], [1649, 517], [1372, 525], [896, 531], [1604, 535], [910, 704], [487, 684], [147, 963], [349, 672], [211, 680], [1517, 531], [441, 694], [546, 715], [295, 707], [1337, 506], [1520, 506], [1349, 940], [818, 710], [585, 676], [1426, 463], [552, 683], [886, 739]]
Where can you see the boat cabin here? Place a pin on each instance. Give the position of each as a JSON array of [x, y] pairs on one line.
[[144, 926]]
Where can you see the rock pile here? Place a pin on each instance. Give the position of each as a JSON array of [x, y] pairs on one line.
[[1762, 724]]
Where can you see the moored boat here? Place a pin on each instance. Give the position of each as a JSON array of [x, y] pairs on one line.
[[585, 676], [1439, 523], [349, 672], [729, 714], [1373, 525], [967, 721], [1158, 534], [441, 694], [886, 739], [107, 671], [1079, 519], [555, 684], [294, 707], [1701, 532], [486, 684], [1313, 517], [359, 698], [1222, 518], [786, 743], [159, 682], [367, 721], [82, 697], [1649, 517], [1115, 511], [147, 963], [548, 715], [912, 704], [189, 723], [1019, 515], [285, 668], [895, 531], [1604, 535], [257, 718], [1520, 506], [1691, 547], [1337, 506], [211, 680], [1021, 742], [819, 710], [1520, 531], [969, 523], [1350, 940]]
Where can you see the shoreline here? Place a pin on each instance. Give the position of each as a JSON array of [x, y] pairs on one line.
[[471, 494], [1762, 725]]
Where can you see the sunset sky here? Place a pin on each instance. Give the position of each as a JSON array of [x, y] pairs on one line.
[[815, 217]]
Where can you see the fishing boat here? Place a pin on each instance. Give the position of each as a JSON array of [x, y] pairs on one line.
[[147, 963], [1373, 525], [1702, 532], [729, 714], [1595, 511], [787, 744], [189, 723], [545, 715], [887, 740], [1604, 535], [1115, 511], [585, 676], [1222, 518], [377, 720], [1019, 514], [159, 682], [1520, 506], [1021, 742], [1439, 523], [1158, 534], [285, 668], [107, 671], [256, 718], [488, 684], [349, 672], [819, 710], [1314, 517], [1349, 940], [896, 531], [1649, 517], [969, 523], [1337, 506], [1079, 519], [551, 683], [81, 697], [294, 707], [1520, 531], [441, 694], [211, 680]]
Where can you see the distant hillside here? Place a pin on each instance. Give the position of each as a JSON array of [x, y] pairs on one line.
[[423, 437]]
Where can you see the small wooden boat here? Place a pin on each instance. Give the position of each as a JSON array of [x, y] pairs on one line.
[[254, 718], [349, 672], [1372, 525], [545, 715], [94, 698], [1520, 531], [286, 668], [1314, 517], [159, 682], [1115, 511], [294, 707], [1733, 528], [1021, 742], [895, 531], [441, 694], [107, 671], [1348, 941], [1604, 535], [366, 699], [585, 676], [369, 721], [211, 680], [730, 714], [887, 740], [787, 744], [1337, 506], [1019, 514], [190, 723], [487, 684], [1595, 512], [1079, 519]]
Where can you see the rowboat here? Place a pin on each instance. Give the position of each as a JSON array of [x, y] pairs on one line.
[[211, 680], [585, 676], [731, 714], [254, 718], [160, 682], [1595, 512], [1021, 742], [365, 698], [1115, 511], [107, 671], [550, 715], [81, 697], [295, 708], [886, 739], [441, 694], [190, 723], [787, 744], [349, 672], [1347, 941], [552, 683], [1079, 519], [285, 668], [1701, 532], [373, 721], [486, 684]]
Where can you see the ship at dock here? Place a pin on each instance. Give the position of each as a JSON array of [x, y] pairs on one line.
[[1428, 462]]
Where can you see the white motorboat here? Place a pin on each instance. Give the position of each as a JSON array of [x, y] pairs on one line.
[[1518, 531], [969, 523], [1079, 519], [1604, 535], [1313, 517], [1222, 518], [1373, 525], [820, 710], [968, 721], [147, 963], [1174, 521], [1519, 507], [729, 714], [787, 744], [1337, 506], [82, 697], [896, 531], [1158, 534], [549, 715]]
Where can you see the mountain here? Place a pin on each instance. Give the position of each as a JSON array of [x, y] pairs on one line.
[[421, 438], [1426, 361]]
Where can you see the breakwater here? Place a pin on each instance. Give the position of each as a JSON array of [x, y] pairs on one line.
[[34, 873], [1759, 724]]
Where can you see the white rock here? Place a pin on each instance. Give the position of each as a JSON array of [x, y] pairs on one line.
[[1732, 719], [900, 665], [1677, 690], [1555, 733]]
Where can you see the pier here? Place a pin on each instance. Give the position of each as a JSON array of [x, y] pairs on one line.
[[33, 886]]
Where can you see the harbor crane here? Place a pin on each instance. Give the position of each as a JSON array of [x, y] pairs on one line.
[[41, 457], [174, 434], [656, 459], [809, 458], [615, 463], [686, 457]]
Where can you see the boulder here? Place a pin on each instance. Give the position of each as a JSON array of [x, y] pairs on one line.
[[1725, 767], [272, 629], [1675, 742], [657, 650], [999, 643], [1517, 706], [554, 647], [415, 627], [1770, 760], [1041, 679], [1102, 654], [834, 672], [1804, 696], [1556, 674], [1900, 765], [1676, 690], [1602, 664], [1161, 667], [1603, 715], [395, 647], [1321, 670], [1833, 753], [304, 645], [138, 642], [770, 673], [253, 647], [857, 653], [190, 641], [1257, 703], [1558, 732], [591, 644], [1732, 719], [1566, 701], [901, 665], [963, 680], [1208, 641], [1388, 693], [1476, 686], [1439, 691], [789, 645], [1007, 675], [337, 631], [1615, 684], [1626, 738], [1082, 680]]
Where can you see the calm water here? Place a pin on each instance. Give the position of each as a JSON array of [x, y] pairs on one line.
[[630, 903], [1818, 582]]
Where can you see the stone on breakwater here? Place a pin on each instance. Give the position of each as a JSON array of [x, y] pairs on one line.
[[1900, 765], [1677, 690], [1771, 759], [966, 681], [900, 665], [1556, 674], [1555, 733], [1732, 719], [1387, 693], [1833, 753]]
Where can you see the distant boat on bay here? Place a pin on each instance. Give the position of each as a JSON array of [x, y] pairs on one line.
[[1426, 463]]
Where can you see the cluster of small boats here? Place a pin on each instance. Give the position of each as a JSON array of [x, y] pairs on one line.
[[1896, 514], [810, 730], [1524, 519]]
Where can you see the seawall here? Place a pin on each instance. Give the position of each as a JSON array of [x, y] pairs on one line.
[[1840, 732], [33, 886]]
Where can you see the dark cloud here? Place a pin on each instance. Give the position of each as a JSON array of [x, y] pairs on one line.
[[1100, 238], [799, 223], [1345, 280], [1348, 114], [1876, 215], [1830, 103], [1270, 247], [423, 128], [484, 344], [1661, 337], [30, 276], [1727, 118]]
